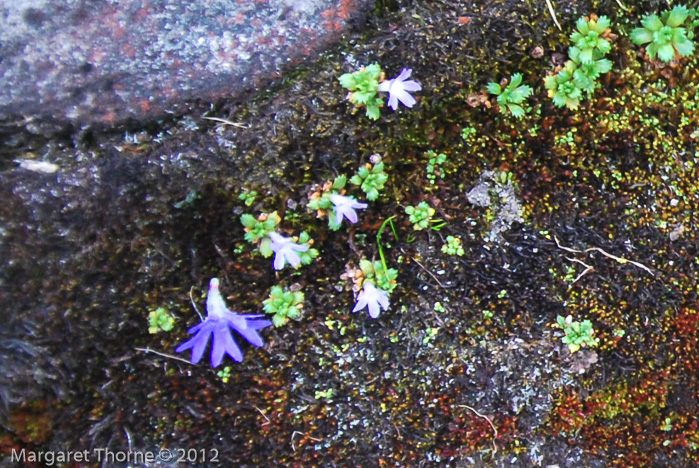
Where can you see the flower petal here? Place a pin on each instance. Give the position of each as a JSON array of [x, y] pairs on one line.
[[383, 300], [298, 247], [224, 343], [218, 348], [257, 324], [279, 260], [238, 322], [393, 101], [406, 99], [199, 341], [253, 337], [361, 302], [374, 310], [351, 215], [292, 257], [412, 86], [338, 215], [404, 74]]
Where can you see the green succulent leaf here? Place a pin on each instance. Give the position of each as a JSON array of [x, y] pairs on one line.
[[677, 16], [372, 194], [641, 36], [516, 110], [340, 182], [684, 46], [266, 247], [666, 52], [494, 88], [248, 220], [604, 46], [603, 22], [521, 93], [652, 23], [582, 26], [515, 81], [373, 112], [348, 81]]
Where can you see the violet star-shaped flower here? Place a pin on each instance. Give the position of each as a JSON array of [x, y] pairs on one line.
[[285, 251], [219, 320], [398, 88], [345, 207], [372, 297]]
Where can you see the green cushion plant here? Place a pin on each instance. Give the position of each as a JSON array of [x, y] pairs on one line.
[[371, 179], [591, 38], [511, 96], [420, 215], [363, 86], [577, 334], [562, 87], [586, 64], [375, 273], [284, 304], [665, 35]]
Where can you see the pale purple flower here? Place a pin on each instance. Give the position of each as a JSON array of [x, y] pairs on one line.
[[218, 321], [285, 251], [398, 88], [345, 206], [371, 297]]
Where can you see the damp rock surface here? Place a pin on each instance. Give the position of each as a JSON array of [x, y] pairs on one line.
[[105, 62]]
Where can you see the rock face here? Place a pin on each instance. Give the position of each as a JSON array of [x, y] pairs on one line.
[[104, 62]]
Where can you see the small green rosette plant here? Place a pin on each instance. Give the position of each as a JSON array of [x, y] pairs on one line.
[[590, 38], [363, 86], [420, 215], [511, 96], [284, 304], [577, 334], [371, 179], [666, 35]]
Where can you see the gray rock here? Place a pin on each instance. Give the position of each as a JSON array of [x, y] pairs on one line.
[[103, 62]]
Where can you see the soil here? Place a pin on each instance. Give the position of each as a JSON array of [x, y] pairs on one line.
[[468, 367]]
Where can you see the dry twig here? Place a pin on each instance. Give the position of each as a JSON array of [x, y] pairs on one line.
[[495, 435], [169, 356], [606, 254]]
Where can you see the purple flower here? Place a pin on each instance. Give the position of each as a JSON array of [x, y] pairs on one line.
[[372, 297], [398, 88], [345, 206], [285, 251], [218, 320]]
